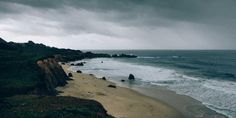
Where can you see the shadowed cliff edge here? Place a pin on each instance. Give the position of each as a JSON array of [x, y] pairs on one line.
[[29, 75]]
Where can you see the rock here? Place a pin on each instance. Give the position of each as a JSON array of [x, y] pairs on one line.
[[91, 74], [70, 75], [72, 64], [103, 78], [101, 61], [63, 63], [80, 64], [52, 74], [114, 55], [79, 71], [131, 77], [111, 86], [122, 80]]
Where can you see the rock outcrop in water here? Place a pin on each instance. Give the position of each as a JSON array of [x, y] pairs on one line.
[[131, 77]]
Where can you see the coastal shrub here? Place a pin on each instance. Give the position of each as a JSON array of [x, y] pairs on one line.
[[52, 107]]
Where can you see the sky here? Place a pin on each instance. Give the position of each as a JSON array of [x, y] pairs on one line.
[[121, 24]]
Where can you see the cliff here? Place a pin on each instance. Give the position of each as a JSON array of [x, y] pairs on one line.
[[28, 78], [52, 76], [30, 68]]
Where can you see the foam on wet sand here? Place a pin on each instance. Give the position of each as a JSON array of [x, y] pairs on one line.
[[119, 102]]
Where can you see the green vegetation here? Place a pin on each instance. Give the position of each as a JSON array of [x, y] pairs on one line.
[[19, 72], [51, 107], [23, 83]]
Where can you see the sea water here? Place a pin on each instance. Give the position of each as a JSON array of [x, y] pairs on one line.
[[208, 76]]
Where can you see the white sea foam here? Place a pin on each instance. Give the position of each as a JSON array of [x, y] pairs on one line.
[[149, 57], [216, 94]]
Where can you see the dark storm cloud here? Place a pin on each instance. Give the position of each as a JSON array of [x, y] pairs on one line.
[[190, 24]]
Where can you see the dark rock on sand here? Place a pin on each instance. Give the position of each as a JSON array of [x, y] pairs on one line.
[[70, 75], [72, 64], [79, 71], [111, 86], [131, 77], [80, 64], [122, 80], [103, 78]]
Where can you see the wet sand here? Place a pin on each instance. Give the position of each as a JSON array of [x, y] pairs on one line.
[[189, 107], [120, 102]]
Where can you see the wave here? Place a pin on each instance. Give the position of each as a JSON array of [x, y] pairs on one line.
[[218, 95], [146, 57]]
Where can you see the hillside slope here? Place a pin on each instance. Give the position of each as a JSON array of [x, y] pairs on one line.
[[29, 74]]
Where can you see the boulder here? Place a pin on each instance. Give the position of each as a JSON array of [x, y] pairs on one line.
[[111, 86], [103, 78], [70, 75], [80, 64], [72, 64], [131, 77], [122, 80], [79, 71]]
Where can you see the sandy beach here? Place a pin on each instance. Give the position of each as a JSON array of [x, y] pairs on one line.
[[119, 102]]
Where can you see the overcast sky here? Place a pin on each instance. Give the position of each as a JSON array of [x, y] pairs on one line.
[[121, 24]]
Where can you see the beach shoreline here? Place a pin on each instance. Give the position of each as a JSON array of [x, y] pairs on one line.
[[168, 104], [119, 102], [188, 106]]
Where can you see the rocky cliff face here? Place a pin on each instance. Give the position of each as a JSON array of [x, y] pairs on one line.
[[52, 76], [29, 73]]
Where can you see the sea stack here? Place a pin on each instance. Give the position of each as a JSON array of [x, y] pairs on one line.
[[131, 77]]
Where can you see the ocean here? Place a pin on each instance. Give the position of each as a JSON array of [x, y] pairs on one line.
[[207, 76]]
